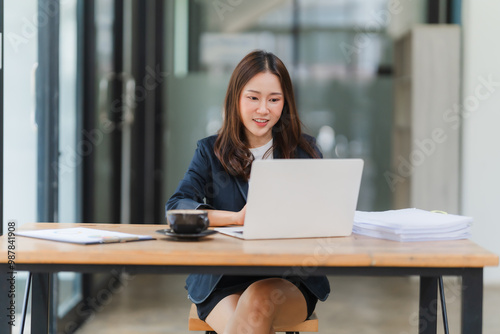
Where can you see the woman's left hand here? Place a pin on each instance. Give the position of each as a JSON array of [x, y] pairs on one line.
[[226, 218], [240, 216]]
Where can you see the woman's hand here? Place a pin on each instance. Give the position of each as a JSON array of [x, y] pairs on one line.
[[226, 218], [240, 216]]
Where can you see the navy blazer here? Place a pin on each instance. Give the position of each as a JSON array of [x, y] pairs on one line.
[[206, 185]]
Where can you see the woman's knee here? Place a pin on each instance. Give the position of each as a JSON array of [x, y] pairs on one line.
[[266, 295]]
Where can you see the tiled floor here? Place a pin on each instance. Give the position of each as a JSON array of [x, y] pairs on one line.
[[368, 305]]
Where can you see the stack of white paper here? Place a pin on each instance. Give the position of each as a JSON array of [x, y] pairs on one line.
[[412, 225]]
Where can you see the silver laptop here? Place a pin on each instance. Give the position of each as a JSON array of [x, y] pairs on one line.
[[300, 198]]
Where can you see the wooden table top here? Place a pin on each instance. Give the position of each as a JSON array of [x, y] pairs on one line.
[[218, 249]]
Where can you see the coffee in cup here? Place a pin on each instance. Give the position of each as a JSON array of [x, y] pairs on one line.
[[187, 221]]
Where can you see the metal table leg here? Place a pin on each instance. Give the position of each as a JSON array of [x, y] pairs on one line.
[[5, 304], [26, 301], [472, 301], [443, 306], [428, 305], [40, 303]]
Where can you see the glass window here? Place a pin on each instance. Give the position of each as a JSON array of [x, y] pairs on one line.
[[21, 49], [70, 158], [342, 91], [20, 129]]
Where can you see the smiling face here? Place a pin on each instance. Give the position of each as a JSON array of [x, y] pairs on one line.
[[261, 103]]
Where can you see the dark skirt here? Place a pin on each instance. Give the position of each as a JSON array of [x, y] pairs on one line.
[[229, 285]]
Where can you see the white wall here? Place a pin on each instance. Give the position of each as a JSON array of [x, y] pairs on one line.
[[405, 15], [480, 182], [481, 124]]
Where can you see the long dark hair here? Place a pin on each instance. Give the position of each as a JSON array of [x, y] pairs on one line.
[[231, 146]]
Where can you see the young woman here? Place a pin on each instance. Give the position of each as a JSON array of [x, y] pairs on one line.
[[260, 122]]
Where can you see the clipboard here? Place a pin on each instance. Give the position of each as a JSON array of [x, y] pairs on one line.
[[83, 235]]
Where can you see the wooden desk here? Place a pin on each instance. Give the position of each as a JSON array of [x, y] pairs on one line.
[[354, 255]]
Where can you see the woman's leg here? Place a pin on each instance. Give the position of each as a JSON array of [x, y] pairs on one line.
[[222, 312], [266, 304]]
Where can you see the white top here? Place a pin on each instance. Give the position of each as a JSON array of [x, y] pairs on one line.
[[258, 152]]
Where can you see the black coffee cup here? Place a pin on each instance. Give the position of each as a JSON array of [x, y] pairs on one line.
[[187, 221]]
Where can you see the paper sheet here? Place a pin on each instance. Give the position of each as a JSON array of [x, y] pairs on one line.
[[412, 225], [83, 235]]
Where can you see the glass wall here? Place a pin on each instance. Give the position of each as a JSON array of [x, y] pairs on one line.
[[338, 53], [20, 129], [69, 284], [344, 87], [105, 78], [23, 20]]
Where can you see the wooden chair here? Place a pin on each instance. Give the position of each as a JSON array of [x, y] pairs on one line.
[[196, 324]]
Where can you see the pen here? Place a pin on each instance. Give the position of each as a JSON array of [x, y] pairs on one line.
[[118, 239]]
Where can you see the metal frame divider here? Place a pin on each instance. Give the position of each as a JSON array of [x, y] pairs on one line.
[[47, 119]]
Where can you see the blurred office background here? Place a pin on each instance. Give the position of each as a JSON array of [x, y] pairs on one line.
[[104, 100]]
